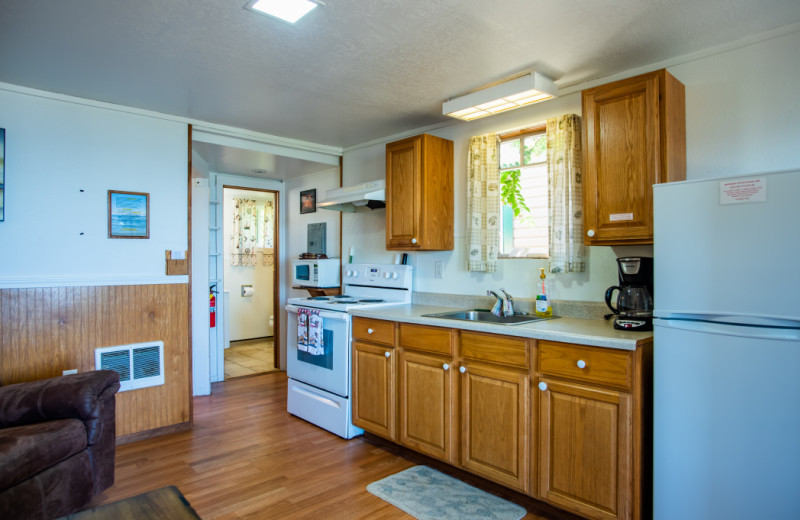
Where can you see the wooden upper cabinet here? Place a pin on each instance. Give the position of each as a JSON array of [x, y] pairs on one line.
[[419, 194], [634, 136]]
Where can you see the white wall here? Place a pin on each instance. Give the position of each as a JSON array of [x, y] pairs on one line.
[[248, 316], [742, 116], [54, 149], [297, 223]]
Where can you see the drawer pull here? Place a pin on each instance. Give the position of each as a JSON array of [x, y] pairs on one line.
[[462, 369], [542, 386], [370, 331], [590, 233], [445, 367], [581, 363], [413, 240], [388, 354]]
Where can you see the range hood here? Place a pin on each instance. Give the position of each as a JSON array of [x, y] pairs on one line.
[[371, 195]]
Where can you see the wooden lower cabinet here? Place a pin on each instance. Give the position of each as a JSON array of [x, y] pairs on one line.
[[374, 389], [585, 449], [495, 424], [426, 404]]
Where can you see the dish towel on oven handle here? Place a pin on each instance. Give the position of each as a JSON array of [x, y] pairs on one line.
[[309, 332]]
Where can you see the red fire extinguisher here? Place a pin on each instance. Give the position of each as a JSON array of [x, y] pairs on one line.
[[212, 308]]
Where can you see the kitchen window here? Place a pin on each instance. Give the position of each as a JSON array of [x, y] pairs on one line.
[[524, 185]]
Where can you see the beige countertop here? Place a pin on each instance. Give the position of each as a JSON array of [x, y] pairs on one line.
[[594, 332]]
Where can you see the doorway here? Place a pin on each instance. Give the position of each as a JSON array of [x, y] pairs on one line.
[[249, 278]]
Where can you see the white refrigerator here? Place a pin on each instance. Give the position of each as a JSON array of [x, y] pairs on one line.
[[726, 382]]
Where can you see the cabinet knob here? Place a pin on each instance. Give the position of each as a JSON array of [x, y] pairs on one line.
[[370, 331], [590, 232], [388, 354], [413, 240], [445, 367], [542, 386], [462, 369], [581, 363]]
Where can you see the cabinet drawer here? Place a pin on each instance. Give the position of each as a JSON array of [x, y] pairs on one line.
[[429, 339], [604, 366], [375, 331], [505, 350]]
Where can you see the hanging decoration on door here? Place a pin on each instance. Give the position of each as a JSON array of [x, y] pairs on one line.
[[309, 332]]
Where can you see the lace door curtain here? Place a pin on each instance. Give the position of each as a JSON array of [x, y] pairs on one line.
[[245, 232], [483, 204], [567, 252]]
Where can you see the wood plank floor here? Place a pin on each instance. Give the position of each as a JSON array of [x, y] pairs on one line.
[[247, 457]]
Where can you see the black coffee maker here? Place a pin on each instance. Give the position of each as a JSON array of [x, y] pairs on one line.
[[634, 303]]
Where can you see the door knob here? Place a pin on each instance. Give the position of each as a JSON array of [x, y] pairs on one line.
[[445, 366], [387, 354], [462, 369], [581, 363], [370, 331], [590, 232], [413, 240], [542, 386]]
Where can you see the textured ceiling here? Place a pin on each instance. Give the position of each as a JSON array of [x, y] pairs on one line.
[[352, 70]]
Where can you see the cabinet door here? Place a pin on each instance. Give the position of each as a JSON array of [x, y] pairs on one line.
[[403, 192], [584, 454], [621, 161], [495, 424], [426, 404], [374, 389]]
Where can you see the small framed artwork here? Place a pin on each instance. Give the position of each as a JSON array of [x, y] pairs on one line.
[[308, 201], [128, 214], [2, 174]]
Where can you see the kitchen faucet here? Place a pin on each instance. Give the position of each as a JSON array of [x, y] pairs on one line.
[[504, 306]]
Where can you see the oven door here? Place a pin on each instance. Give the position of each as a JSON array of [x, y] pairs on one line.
[[329, 370]]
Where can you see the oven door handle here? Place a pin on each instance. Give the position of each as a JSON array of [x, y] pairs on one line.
[[322, 314]]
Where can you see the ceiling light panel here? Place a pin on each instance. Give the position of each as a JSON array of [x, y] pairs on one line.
[[285, 10], [524, 90]]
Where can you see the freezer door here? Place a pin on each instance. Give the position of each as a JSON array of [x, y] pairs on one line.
[[726, 425], [716, 254]]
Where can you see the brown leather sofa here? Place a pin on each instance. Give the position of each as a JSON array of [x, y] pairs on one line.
[[57, 443]]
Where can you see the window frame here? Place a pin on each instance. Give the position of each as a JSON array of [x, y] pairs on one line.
[[521, 134]]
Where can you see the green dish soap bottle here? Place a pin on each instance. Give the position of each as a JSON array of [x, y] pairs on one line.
[[544, 308]]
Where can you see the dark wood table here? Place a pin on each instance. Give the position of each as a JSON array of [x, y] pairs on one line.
[[164, 503]]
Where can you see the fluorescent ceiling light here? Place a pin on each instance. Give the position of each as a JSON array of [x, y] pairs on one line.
[[286, 10], [524, 90]]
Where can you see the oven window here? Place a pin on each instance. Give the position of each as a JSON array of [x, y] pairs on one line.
[[302, 272], [324, 360]]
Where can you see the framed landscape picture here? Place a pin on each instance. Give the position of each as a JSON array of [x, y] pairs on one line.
[[128, 214], [2, 174]]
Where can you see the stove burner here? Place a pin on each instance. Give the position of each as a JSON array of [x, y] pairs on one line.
[[343, 296], [370, 300], [318, 298], [344, 301]]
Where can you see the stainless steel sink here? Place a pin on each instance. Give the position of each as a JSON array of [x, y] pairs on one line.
[[484, 316]]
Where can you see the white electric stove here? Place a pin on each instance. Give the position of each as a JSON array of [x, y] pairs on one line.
[[319, 378]]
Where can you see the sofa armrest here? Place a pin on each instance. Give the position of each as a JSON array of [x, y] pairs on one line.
[[75, 396]]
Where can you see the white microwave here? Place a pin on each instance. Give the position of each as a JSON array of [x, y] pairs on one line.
[[323, 272]]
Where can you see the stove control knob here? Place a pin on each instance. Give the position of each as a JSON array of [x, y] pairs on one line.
[[355, 274], [387, 275], [348, 273], [394, 276]]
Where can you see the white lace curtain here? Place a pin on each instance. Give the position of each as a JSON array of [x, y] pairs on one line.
[[567, 253], [483, 204]]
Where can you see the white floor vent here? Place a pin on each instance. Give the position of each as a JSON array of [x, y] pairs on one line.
[[139, 365]]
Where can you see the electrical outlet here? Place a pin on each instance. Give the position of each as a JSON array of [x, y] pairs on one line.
[[438, 269], [68, 372]]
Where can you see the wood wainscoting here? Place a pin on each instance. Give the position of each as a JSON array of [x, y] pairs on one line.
[[46, 330]]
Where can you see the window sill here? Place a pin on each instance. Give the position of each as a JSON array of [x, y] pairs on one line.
[[521, 257]]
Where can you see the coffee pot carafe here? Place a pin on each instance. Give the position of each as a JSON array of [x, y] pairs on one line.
[[634, 303]]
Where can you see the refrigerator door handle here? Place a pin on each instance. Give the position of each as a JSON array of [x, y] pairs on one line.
[[727, 329]]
